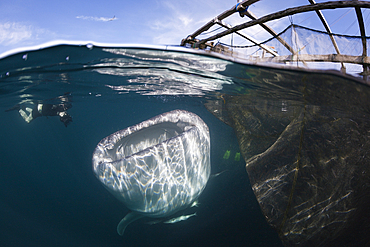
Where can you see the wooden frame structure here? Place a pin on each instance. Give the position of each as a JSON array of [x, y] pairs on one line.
[[242, 9]]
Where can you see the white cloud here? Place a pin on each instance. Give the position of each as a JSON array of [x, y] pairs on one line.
[[18, 33], [174, 26], [94, 18], [13, 33]]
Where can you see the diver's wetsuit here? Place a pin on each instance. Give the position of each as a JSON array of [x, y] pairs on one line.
[[28, 114]]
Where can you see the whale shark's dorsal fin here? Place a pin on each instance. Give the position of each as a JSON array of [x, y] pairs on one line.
[[129, 218]]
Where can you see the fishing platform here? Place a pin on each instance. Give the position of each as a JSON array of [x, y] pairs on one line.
[[296, 45]]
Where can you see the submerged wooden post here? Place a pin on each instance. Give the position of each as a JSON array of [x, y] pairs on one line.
[[360, 19]]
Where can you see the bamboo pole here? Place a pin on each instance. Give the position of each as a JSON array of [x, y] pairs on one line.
[[328, 30], [290, 11], [220, 17], [365, 68]]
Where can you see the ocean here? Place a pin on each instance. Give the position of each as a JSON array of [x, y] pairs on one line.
[[49, 193]]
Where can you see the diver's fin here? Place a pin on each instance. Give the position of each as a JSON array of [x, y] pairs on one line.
[[27, 117], [129, 218]]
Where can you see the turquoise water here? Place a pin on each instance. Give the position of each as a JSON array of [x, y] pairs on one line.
[[50, 196]]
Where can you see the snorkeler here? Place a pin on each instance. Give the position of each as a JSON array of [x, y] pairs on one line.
[[29, 114], [41, 109]]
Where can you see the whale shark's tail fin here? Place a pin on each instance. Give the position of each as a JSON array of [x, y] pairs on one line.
[[129, 218]]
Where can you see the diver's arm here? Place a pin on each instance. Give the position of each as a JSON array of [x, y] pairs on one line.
[[65, 118]]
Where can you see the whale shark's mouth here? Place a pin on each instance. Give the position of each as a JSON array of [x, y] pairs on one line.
[[148, 137]]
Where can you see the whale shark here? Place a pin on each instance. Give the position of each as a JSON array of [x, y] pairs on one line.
[[157, 167]]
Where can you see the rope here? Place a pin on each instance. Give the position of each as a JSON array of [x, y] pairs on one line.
[[210, 31], [250, 46], [340, 17], [316, 34], [291, 20]]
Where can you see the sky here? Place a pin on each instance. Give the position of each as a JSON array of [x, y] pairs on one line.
[[28, 23]]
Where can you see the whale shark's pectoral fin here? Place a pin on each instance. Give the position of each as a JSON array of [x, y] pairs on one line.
[[129, 218]]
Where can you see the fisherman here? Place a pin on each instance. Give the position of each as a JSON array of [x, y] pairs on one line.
[[41, 109]]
